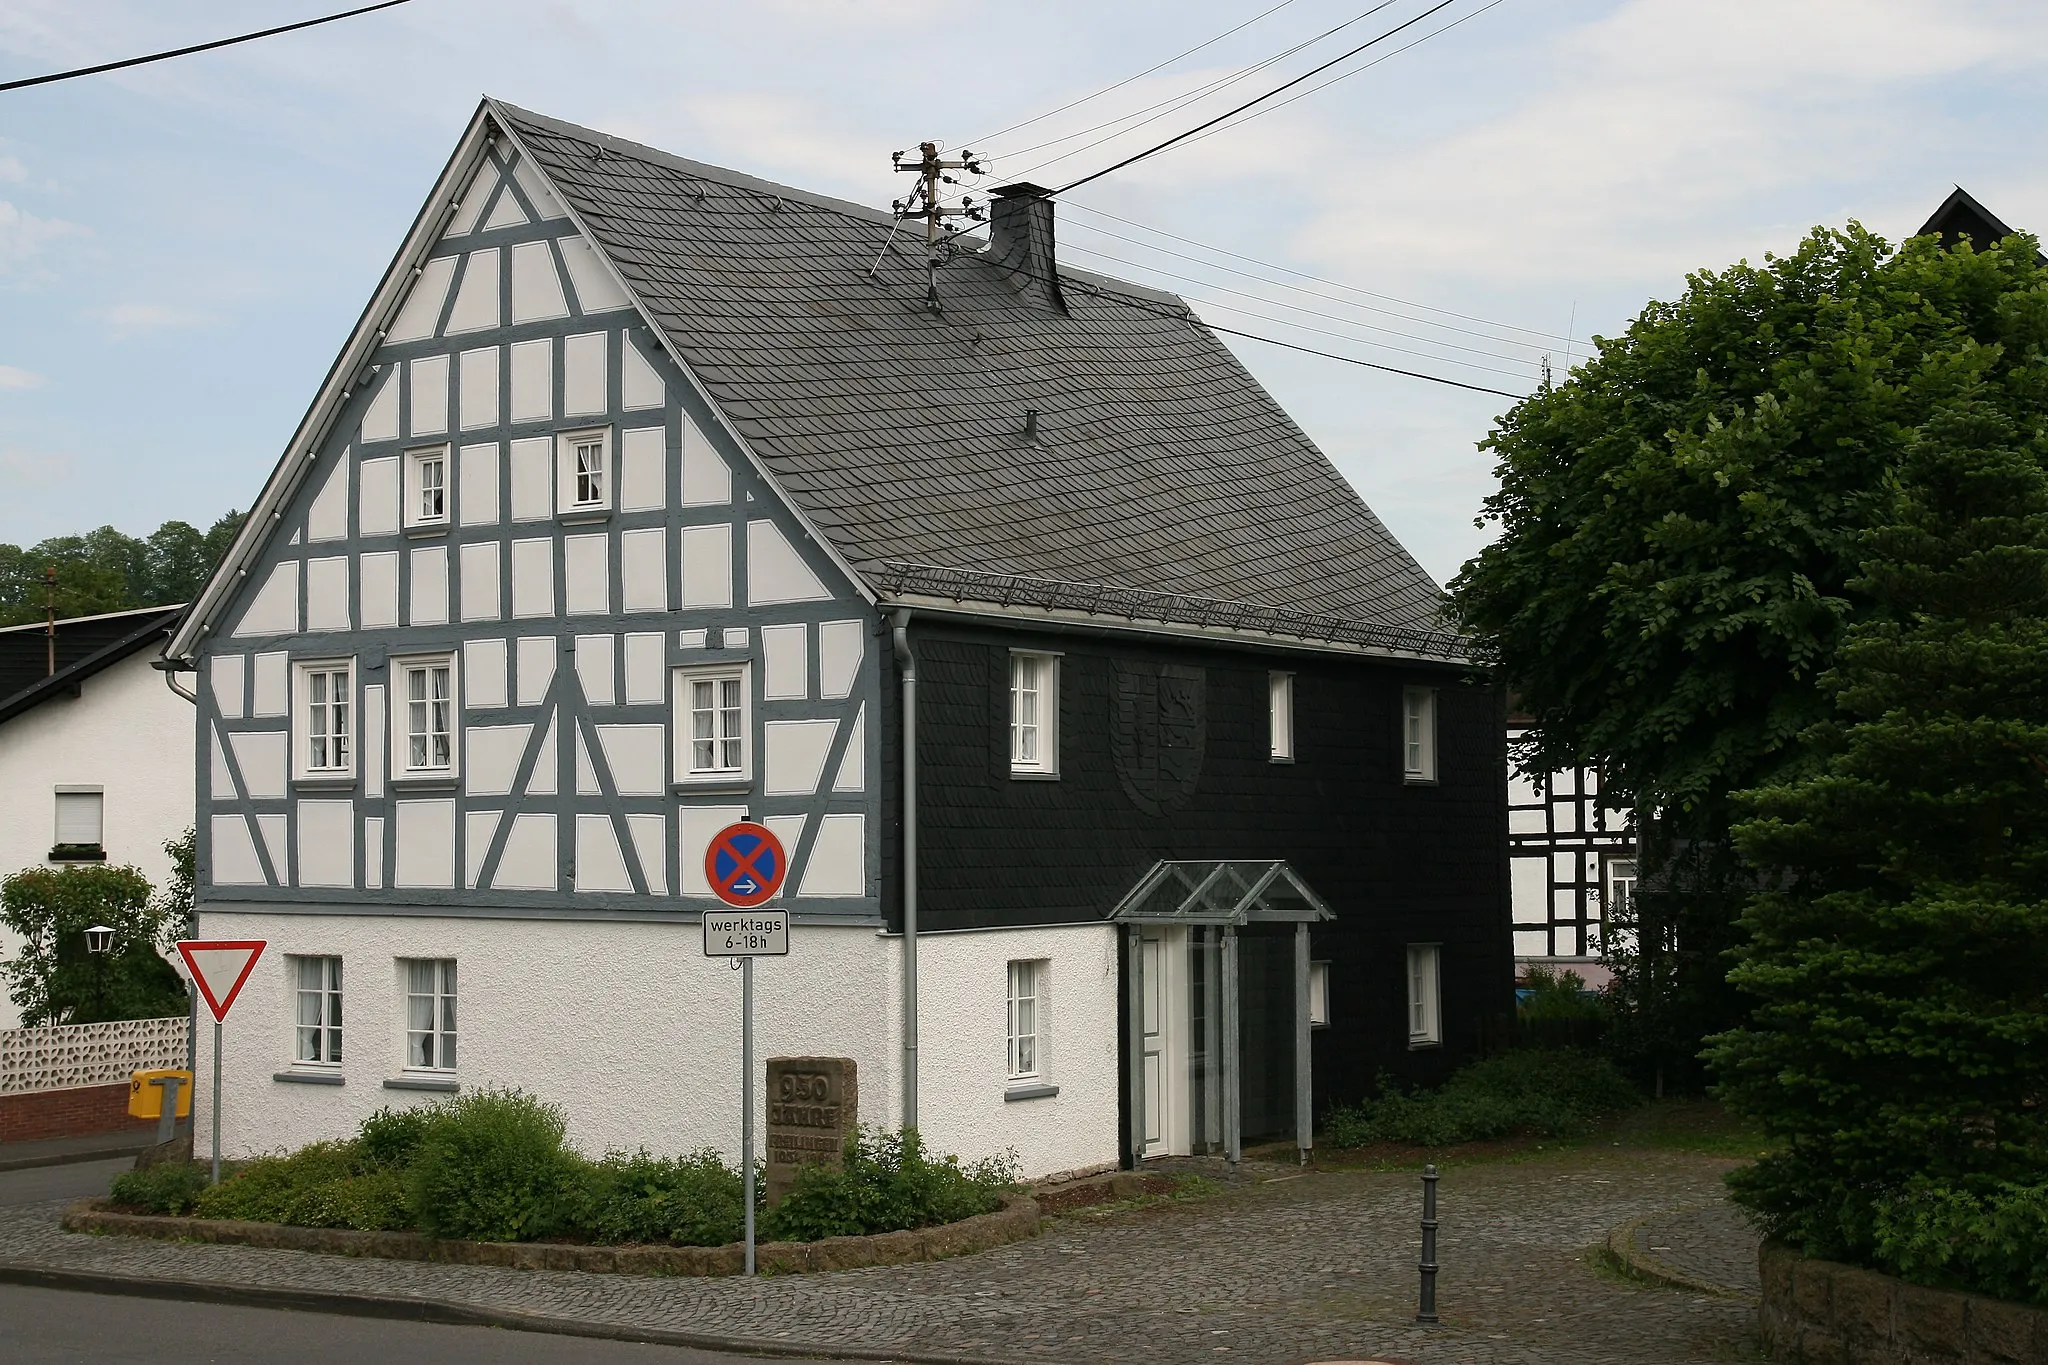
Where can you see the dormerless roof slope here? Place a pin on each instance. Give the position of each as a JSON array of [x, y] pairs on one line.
[[1163, 475]]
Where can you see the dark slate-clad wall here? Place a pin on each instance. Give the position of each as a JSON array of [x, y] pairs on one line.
[[1399, 863]]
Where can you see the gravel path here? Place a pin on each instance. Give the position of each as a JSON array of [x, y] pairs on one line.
[[1313, 1267]]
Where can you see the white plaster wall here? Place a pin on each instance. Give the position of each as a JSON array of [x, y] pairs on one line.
[[963, 1010], [126, 733], [637, 1035]]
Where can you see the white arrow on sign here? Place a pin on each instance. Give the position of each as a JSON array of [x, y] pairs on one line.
[[221, 967]]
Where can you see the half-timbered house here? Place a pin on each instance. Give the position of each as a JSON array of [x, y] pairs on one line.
[[1137, 798]]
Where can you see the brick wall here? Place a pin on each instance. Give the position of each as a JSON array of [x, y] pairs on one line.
[[77, 1112]]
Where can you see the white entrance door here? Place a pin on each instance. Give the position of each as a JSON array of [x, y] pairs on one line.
[[1164, 1006]]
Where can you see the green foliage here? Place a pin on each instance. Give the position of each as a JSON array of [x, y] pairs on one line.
[[171, 1187], [888, 1183], [325, 1185], [55, 979], [1557, 995], [493, 1167], [1899, 1047], [392, 1137], [105, 570], [1547, 1092], [176, 902], [1994, 1242], [1681, 543], [694, 1200]]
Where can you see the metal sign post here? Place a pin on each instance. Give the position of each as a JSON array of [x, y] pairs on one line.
[[745, 865], [220, 968]]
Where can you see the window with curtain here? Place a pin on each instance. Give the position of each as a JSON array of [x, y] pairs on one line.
[[319, 1017], [430, 1014], [1025, 986]]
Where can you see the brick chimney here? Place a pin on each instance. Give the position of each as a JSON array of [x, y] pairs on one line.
[[1020, 244]]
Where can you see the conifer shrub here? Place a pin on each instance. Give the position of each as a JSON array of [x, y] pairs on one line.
[[888, 1183]]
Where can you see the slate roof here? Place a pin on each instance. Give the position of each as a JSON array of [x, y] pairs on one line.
[[1165, 484], [85, 646]]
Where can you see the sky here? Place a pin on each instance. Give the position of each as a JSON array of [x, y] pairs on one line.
[[185, 246]]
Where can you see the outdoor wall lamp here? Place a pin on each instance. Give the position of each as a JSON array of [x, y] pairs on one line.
[[99, 939]]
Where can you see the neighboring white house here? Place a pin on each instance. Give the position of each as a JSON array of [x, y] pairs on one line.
[[1571, 863], [95, 759]]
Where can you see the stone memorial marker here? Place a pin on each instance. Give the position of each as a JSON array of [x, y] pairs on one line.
[[813, 1107]]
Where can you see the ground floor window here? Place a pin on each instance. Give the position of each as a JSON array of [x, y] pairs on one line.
[[1026, 985], [1425, 1014], [430, 1014], [319, 994]]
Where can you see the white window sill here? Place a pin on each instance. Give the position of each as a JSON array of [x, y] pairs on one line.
[[306, 1075], [1417, 1044], [1411, 780], [1024, 1088], [584, 516], [427, 530], [426, 782], [326, 781], [1280, 758], [443, 1082], [713, 782], [1034, 775]]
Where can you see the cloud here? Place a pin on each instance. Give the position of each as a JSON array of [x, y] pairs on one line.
[[23, 236], [14, 377], [12, 172], [132, 319]]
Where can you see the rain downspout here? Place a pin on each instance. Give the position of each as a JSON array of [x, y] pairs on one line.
[[906, 664], [169, 668]]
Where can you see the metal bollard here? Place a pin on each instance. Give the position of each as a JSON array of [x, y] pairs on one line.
[[1426, 1315]]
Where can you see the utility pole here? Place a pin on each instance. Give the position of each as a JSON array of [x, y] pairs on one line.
[[923, 201], [50, 617]]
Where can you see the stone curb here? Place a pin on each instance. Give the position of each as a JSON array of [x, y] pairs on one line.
[[1621, 1245], [409, 1308], [1016, 1220]]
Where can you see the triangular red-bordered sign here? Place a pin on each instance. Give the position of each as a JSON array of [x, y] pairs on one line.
[[221, 967]]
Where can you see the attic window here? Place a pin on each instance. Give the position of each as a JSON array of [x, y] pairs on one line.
[[583, 471]]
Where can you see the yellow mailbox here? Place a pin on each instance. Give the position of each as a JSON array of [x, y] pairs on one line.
[[146, 1098]]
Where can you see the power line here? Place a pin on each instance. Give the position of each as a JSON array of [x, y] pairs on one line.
[[196, 47], [1347, 75], [1175, 103], [1353, 360], [1109, 89], [1229, 113], [1289, 270]]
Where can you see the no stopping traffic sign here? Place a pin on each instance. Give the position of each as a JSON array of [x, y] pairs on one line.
[[745, 864]]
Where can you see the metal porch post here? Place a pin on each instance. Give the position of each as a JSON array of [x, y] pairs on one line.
[[1233, 1116], [1138, 1125], [1304, 1100]]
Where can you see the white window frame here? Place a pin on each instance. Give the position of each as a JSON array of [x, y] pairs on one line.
[[1041, 733], [77, 796], [1024, 1061], [436, 1045], [400, 705], [416, 461], [683, 727], [1280, 716], [302, 719], [317, 1044], [1318, 995], [1418, 734], [1425, 995], [1618, 873], [567, 501]]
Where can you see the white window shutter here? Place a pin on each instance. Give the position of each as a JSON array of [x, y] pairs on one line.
[[79, 817]]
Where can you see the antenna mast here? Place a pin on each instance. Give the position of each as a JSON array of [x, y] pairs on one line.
[[923, 201]]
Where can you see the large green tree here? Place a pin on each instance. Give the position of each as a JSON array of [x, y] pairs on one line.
[[1680, 528], [1900, 959], [106, 570]]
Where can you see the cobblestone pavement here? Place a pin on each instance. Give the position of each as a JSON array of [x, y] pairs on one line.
[[1711, 1244], [1309, 1267]]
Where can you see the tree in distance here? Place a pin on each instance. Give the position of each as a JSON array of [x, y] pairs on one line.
[[105, 570]]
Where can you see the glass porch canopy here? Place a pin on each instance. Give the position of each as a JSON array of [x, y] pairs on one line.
[[1227, 892]]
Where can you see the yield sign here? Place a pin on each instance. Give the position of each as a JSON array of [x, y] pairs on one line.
[[221, 966], [745, 864]]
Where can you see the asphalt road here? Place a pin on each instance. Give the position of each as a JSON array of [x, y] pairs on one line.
[[75, 1181], [54, 1327]]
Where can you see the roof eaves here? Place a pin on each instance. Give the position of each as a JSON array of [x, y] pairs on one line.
[[73, 674]]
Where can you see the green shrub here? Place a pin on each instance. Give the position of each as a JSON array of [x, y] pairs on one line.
[[492, 1167], [325, 1185], [1991, 1242], [888, 1183], [392, 1137], [694, 1200], [172, 1187], [1541, 1091], [1556, 994]]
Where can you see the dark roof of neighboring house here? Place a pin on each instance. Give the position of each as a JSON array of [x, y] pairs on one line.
[[85, 645], [1960, 216], [1165, 483]]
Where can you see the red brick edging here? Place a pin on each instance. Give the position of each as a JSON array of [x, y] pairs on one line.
[[1015, 1221], [1822, 1311]]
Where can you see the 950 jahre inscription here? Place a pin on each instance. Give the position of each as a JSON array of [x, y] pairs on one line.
[[813, 1107]]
